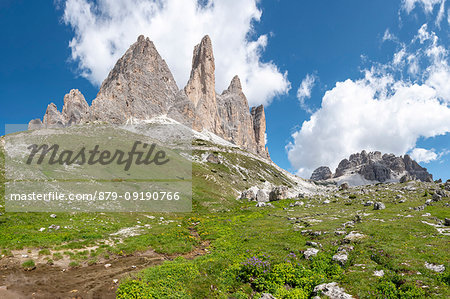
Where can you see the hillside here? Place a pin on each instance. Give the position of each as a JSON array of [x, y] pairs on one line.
[[223, 246]]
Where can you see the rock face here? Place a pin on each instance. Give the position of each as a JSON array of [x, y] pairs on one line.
[[237, 122], [259, 126], [141, 86], [75, 109], [321, 173], [35, 124], [375, 167], [53, 118], [201, 89]]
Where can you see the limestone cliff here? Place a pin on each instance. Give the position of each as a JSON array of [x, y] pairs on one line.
[[141, 86]]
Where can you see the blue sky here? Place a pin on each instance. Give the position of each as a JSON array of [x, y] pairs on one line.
[[332, 41]]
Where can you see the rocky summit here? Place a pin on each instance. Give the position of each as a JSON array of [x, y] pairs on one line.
[[365, 168], [141, 87]]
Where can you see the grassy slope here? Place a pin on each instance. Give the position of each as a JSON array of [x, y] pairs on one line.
[[238, 230]]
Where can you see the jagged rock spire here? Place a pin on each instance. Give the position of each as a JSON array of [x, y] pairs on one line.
[[75, 109], [201, 88], [259, 125], [53, 118], [235, 115], [139, 86]]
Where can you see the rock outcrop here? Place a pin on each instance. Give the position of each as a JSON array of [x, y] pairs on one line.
[[321, 173], [141, 87], [259, 126], [375, 167], [75, 109], [201, 89], [237, 124], [53, 118]]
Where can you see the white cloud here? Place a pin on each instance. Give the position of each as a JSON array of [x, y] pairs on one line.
[[423, 155], [304, 91], [106, 28], [398, 57], [388, 36], [441, 13], [428, 6], [378, 111]]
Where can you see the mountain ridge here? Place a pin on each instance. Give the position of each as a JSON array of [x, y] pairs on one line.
[[374, 167], [141, 86]]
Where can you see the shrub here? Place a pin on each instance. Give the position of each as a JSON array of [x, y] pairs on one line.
[[253, 267], [57, 256], [445, 277], [411, 291], [282, 274], [133, 289], [239, 295], [29, 264], [283, 293], [44, 252], [386, 289]]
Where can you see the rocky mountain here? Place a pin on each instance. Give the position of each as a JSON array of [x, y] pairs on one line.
[[141, 87], [361, 168]]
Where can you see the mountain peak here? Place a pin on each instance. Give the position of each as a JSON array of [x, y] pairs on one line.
[[367, 167], [141, 86], [235, 85]]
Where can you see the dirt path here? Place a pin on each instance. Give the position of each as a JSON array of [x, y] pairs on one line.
[[87, 282]]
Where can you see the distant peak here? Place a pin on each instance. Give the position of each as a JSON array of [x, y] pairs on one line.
[[206, 41], [235, 85], [203, 54], [141, 38]]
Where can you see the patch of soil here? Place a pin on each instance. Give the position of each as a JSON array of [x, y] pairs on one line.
[[89, 282]]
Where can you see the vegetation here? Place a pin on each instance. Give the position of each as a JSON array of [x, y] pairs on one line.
[[28, 265], [254, 250]]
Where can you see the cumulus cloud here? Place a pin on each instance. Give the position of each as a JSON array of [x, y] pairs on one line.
[[378, 111], [304, 91], [423, 155], [104, 29]]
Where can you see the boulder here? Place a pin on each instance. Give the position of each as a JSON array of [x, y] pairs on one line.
[[378, 273], [322, 173], [213, 159], [379, 206], [310, 252], [353, 237], [248, 194], [344, 186], [278, 193], [341, 257], [332, 290], [262, 196], [267, 296], [435, 268]]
